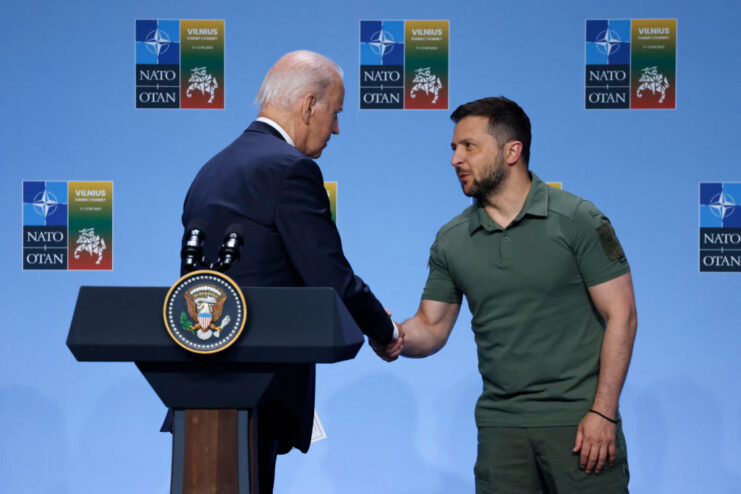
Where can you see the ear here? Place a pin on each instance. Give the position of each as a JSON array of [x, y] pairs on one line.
[[512, 152], [307, 107]]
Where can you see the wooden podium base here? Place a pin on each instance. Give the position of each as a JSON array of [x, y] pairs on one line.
[[214, 452]]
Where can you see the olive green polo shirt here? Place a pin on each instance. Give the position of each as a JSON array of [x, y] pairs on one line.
[[537, 332]]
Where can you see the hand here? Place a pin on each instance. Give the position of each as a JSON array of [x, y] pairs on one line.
[[389, 352], [595, 438]]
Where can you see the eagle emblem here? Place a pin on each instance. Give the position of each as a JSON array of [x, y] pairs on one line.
[[205, 306], [205, 311]]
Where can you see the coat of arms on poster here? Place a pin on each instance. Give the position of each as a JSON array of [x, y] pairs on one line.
[[404, 65], [631, 64], [67, 225], [179, 63], [720, 226]]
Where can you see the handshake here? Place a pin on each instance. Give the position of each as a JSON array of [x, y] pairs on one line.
[[421, 335], [389, 352]]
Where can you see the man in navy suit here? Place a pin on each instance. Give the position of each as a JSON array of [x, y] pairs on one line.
[[266, 180]]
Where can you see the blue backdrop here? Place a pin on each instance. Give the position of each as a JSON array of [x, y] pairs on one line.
[[68, 114]]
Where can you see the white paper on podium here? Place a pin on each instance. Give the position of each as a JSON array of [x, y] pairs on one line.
[[317, 431]]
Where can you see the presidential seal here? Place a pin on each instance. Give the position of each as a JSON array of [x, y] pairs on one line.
[[205, 311]]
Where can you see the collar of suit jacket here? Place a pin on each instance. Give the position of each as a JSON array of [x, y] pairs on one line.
[[277, 127]]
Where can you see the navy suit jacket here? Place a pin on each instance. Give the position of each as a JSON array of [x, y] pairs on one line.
[[277, 194]]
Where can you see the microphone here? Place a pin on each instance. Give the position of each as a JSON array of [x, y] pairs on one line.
[[192, 251], [230, 249]]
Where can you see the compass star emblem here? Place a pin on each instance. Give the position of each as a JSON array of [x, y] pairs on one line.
[[608, 42], [157, 42], [45, 203], [381, 42], [722, 205]]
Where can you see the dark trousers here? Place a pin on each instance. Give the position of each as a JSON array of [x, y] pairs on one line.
[[267, 452], [538, 460]]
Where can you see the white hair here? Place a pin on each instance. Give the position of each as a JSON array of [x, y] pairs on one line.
[[295, 74]]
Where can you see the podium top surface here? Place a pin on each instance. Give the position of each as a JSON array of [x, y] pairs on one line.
[[284, 325]]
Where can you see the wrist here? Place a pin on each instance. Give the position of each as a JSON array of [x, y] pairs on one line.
[[609, 419], [605, 405]]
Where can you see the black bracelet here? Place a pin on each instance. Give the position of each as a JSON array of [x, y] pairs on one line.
[[603, 416]]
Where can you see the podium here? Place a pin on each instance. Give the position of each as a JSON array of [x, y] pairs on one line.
[[215, 397]]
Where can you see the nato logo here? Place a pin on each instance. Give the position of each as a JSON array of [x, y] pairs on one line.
[[381, 64], [44, 225], [157, 64], [382, 42], [720, 226], [157, 42], [608, 64], [45, 203], [718, 205], [608, 42]]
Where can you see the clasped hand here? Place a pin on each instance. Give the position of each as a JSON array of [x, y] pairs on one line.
[[389, 352]]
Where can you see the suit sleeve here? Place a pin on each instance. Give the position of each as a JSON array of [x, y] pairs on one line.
[[313, 244]]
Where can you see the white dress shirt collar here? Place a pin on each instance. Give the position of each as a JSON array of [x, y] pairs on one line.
[[278, 128]]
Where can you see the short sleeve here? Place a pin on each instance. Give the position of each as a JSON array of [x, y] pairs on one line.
[[440, 285], [599, 255]]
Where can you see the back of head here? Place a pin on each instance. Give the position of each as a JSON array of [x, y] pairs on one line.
[[507, 121], [295, 74]]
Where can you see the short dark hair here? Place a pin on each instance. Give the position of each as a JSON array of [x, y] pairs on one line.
[[507, 121]]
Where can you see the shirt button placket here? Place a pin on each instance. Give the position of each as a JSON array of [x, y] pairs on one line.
[[506, 247]]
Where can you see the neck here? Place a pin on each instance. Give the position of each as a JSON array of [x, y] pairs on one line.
[[281, 117], [504, 205]]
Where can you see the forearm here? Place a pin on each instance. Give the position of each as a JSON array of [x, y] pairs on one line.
[[420, 340], [617, 348]]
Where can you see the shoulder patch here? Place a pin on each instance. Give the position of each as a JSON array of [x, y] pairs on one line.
[[610, 243]]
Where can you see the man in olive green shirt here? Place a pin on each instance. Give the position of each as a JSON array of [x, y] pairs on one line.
[[554, 316]]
